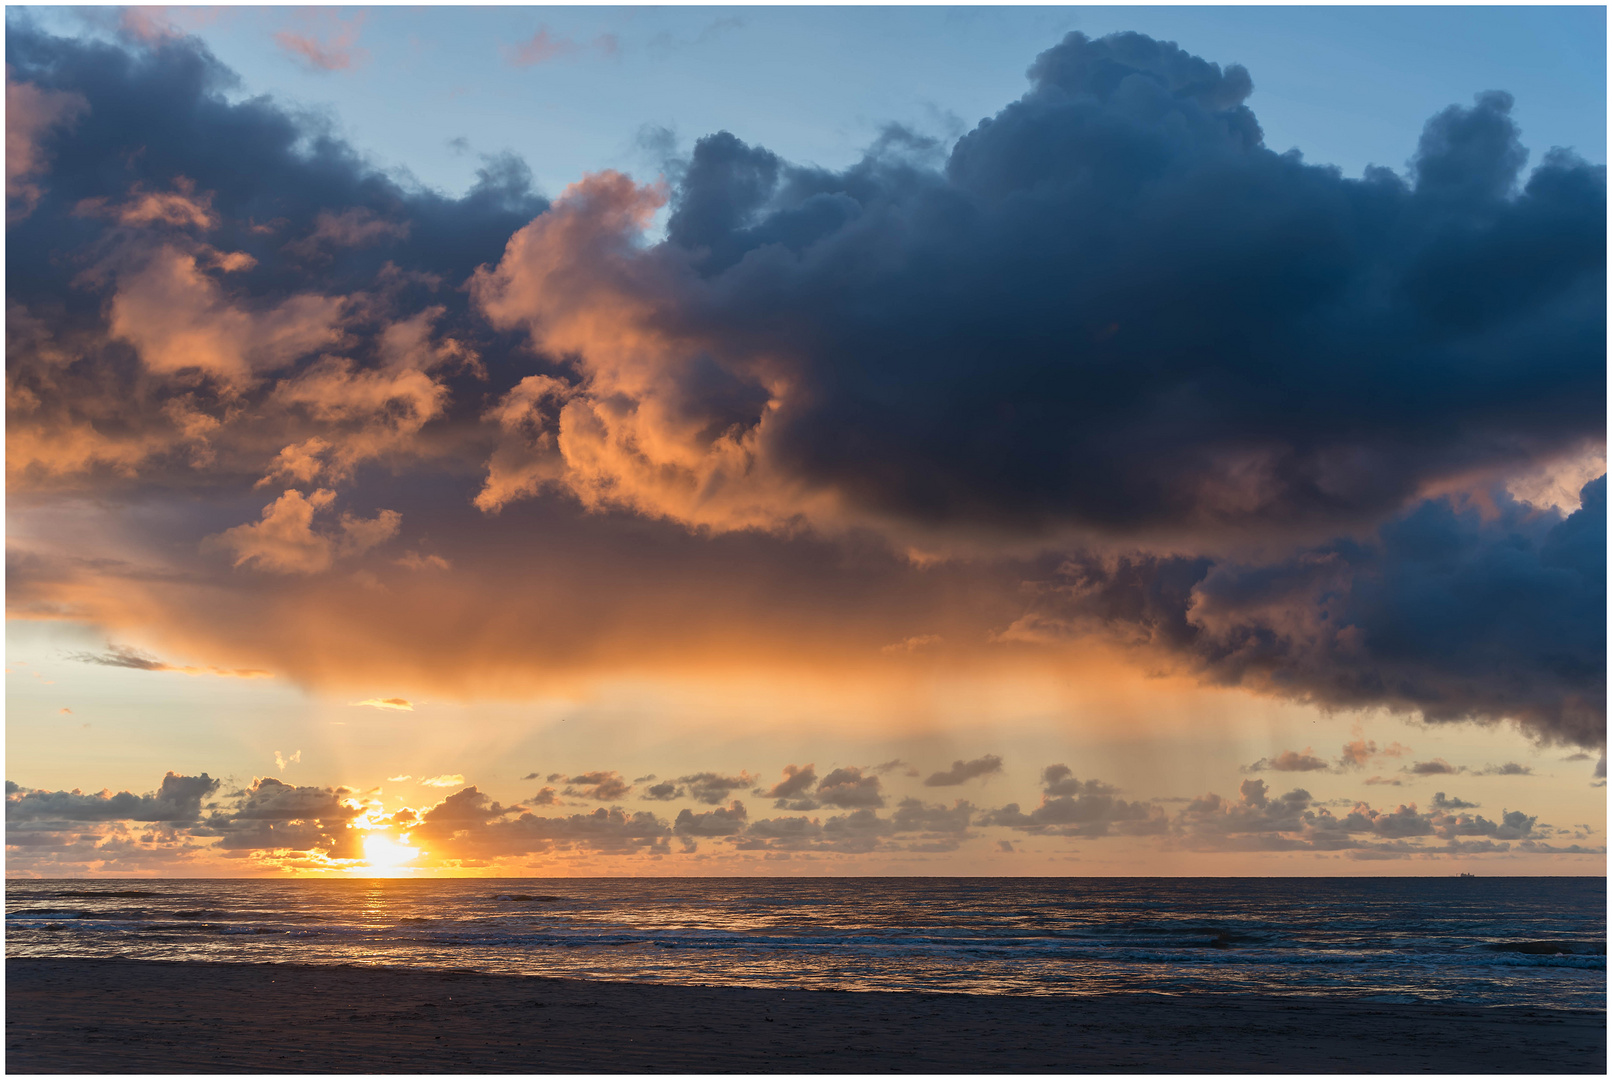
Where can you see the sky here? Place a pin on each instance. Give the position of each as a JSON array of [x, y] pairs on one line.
[[744, 441]]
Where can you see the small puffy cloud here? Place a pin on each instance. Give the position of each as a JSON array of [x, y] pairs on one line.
[[545, 797], [665, 791], [398, 779], [281, 761], [849, 789], [1289, 761], [601, 786], [395, 704], [1060, 780], [711, 788], [285, 541], [1436, 767], [963, 771], [793, 791], [444, 781], [1510, 768], [324, 41], [1443, 802], [1357, 753]]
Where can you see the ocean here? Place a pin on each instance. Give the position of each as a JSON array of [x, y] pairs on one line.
[[1536, 942]]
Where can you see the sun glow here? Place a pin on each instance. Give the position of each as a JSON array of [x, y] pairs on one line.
[[384, 855]]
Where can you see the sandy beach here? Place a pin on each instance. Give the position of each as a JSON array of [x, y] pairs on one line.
[[96, 1016]]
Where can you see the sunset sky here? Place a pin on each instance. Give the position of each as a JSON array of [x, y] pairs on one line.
[[806, 441]]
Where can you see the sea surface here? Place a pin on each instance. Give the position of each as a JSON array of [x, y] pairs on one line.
[[1536, 942]]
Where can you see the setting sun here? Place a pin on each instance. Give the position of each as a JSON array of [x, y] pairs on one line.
[[381, 852]]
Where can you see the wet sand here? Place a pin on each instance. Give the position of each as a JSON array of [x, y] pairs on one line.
[[98, 1016]]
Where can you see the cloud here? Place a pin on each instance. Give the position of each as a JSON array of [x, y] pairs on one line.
[[712, 788], [469, 825], [1277, 274], [330, 43], [1291, 761], [393, 703], [1510, 768], [732, 386], [445, 780], [848, 788], [177, 799], [276, 825], [603, 786], [915, 815], [892, 765], [281, 761], [284, 541], [912, 644], [1357, 753], [792, 792], [355, 227], [1436, 767], [963, 771], [1071, 807], [544, 47], [723, 821], [32, 115], [126, 656], [1449, 611]]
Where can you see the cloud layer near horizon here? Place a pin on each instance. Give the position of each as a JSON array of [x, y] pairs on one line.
[[189, 823], [1108, 367]]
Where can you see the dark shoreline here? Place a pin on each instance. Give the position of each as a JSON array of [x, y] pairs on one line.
[[100, 1016]]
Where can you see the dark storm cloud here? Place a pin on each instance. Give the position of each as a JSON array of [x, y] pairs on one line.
[[177, 799], [1115, 308], [1111, 318], [185, 247], [1449, 610], [963, 771]]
